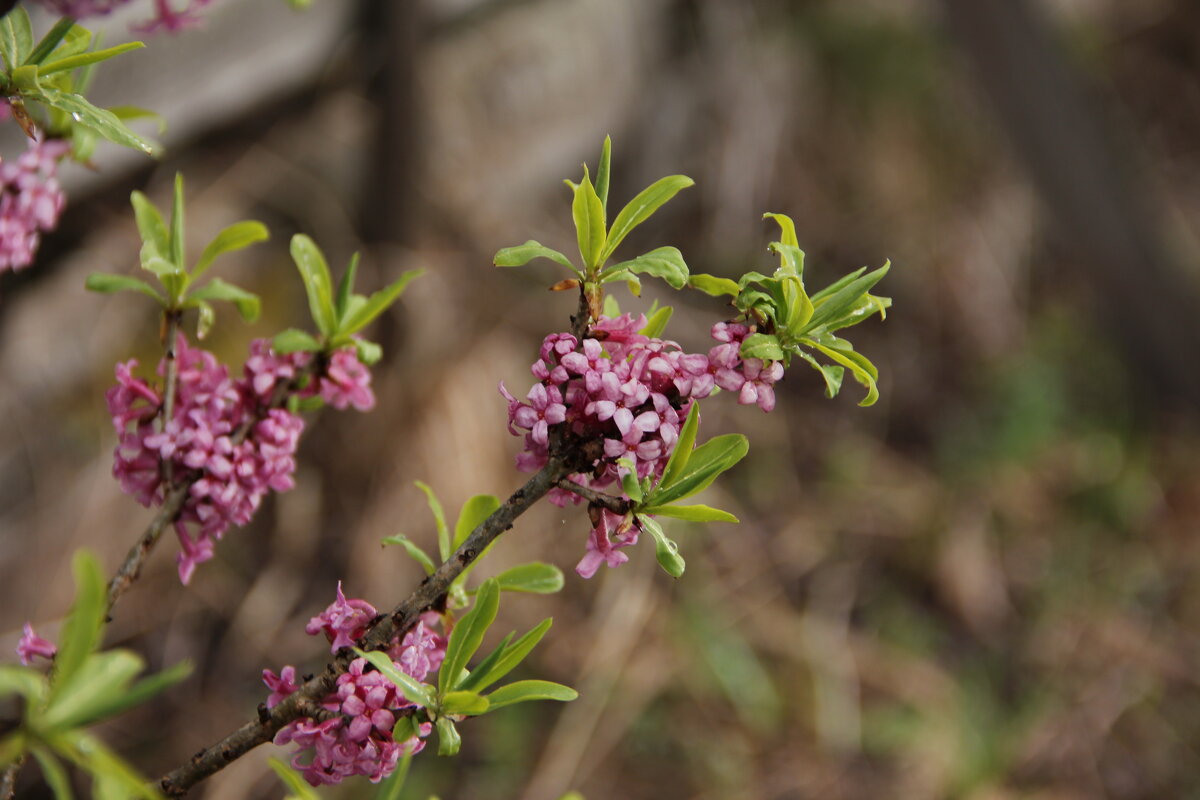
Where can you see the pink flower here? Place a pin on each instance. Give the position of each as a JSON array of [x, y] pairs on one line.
[[343, 622], [281, 685], [603, 545], [347, 382], [32, 645], [31, 201]]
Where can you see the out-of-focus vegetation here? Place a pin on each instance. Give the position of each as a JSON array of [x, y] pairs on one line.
[[983, 587]]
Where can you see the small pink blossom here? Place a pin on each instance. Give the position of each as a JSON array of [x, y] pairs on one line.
[[32, 645], [343, 622]]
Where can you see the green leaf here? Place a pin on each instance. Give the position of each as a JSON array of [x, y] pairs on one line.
[[657, 322], [629, 480], [26, 79], [524, 691], [248, 304], [294, 340], [712, 285], [439, 518], [83, 59], [177, 218], [521, 255], [705, 464], [414, 691], [532, 578], [84, 626], [16, 38], [345, 291], [588, 213], [76, 699], [55, 774], [150, 226], [832, 305], [106, 283], [377, 303], [762, 346], [368, 353], [160, 266], [414, 551], [695, 513], [25, 681], [235, 237], [666, 551], [602, 171], [472, 514], [125, 113], [97, 119], [791, 259], [468, 635], [90, 753], [663, 262], [831, 373], [449, 740], [317, 282], [639, 209], [683, 447], [505, 658], [296, 784], [466, 703], [787, 228], [50, 41], [860, 367], [77, 40], [119, 698]]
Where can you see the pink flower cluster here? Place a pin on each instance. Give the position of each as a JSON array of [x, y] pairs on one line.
[[633, 392], [358, 741], [79, 9], [32, 645], [229, 478], [31, 201], [166, 17]]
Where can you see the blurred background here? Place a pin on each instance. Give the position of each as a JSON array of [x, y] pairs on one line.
[[982, 587]]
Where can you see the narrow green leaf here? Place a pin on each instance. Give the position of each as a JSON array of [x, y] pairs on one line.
[[791, 259], [787, 228], [588, 213], [345, 291], [248, 304], [533, 578], [296, 784], [449, 740], [860, 367], [439, 518], [317, 282], [663, 262], [377, 303], [235, 237], [206, 319], [125, 113], [83, 59], [509, 657], [54, 772], [101, 121], [521, 255], [712, 285], [414, 551], [629, 480], [74, 700], [694, 513], [25, 681], [89, 752], [106, 283], [602, 171], [524, 691], [706, 463], [832, 373], [177, 220], [368, 353], [657, 324], [76, 40], [762, 346], [84, 626], [294, 340], [473, 512], [466, 703], [666, 551], [150, 226], [116, 702], [160, 266], [16, 38], [639, 209], [50, 41], [683, 447], [468, 635], [830, 306], [414, 691]]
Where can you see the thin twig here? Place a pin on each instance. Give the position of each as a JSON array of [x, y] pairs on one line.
[[617, 505], [171, 320], [8, 780], [430, 594]]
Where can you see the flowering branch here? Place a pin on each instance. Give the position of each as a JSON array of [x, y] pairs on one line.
[[617, 505], [430, 594]]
